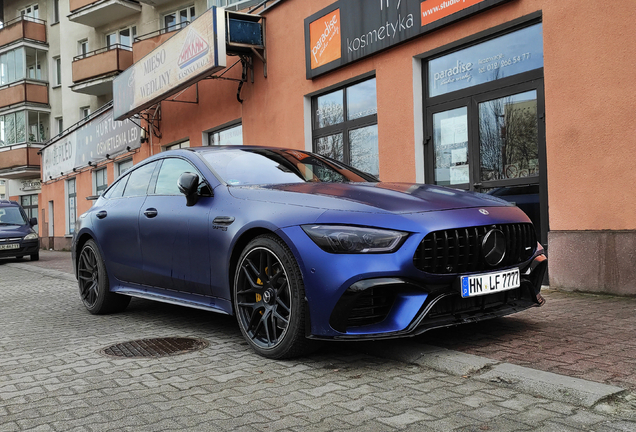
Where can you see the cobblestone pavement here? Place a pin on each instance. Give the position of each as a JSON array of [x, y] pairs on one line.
[[578, 335], [53, 378]]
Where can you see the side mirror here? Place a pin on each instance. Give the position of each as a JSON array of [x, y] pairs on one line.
[[188, 184], [33, 221]]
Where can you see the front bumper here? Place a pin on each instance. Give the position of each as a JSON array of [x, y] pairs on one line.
[[26, 247]]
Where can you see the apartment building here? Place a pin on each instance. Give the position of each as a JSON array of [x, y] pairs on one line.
[[58, 59]]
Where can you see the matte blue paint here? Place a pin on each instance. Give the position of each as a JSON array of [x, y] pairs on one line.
[[181, 254]]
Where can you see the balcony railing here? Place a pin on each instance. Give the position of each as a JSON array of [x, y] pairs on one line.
[[24, 91], [23, 27], [101, 62], [149, 41]]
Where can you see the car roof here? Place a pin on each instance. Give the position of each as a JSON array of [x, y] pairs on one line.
[[7, 203], [205, 149]]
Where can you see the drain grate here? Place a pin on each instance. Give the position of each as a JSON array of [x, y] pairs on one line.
[[160, 347]]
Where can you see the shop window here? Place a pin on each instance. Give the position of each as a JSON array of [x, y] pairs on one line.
[[123, 166], [30, 205], [232, 135], [184, 144], [504, 56], [175, 20], [101, 181], [71, 205], [122, 38], [16, 128], [345, 126]]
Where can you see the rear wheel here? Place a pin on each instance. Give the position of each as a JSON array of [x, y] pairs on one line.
[[93, 283], [268, 299]]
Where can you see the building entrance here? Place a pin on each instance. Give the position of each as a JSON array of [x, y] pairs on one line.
[[489, 137]]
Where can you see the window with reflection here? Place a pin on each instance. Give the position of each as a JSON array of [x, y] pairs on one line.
[[345, 125], [232, 135]]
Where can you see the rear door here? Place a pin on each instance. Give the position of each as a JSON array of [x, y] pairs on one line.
[[117, 224]]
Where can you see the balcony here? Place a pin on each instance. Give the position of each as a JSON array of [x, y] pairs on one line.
[[20, 161], [98, 13], [93, 72], [145, 43], [21, 28], [22, 92]]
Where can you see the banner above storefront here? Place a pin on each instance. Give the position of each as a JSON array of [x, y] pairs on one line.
[[193, 53], [98, 139], [350, 30]]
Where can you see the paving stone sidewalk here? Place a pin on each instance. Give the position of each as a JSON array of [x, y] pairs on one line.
[[53, 378], [578, 335]]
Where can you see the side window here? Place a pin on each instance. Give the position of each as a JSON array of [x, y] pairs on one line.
[[117, 191], [139, 180], [169, 174]]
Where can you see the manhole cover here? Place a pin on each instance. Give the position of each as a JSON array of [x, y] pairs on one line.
[[160, 347]]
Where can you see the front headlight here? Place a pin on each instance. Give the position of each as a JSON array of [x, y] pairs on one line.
[[32, 236], [355, 240]]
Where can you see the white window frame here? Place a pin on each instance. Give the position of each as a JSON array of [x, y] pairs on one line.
[[177, 14], [82, 47], [70, 222], [132, 31], [31, 11], [119, 164], [57, 71], [97, 175], [176, 146], [59, 123], [84, 112]]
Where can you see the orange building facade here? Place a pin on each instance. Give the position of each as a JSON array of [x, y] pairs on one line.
[[529, 100]]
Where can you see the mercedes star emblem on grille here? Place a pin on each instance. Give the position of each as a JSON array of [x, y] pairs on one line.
[[493, 247]]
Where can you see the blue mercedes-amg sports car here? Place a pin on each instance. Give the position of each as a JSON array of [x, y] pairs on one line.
[[300, 247]]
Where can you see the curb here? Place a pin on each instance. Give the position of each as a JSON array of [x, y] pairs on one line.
[[548, 385]]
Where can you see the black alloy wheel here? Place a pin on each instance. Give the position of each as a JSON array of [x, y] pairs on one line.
[[268, 294], [93, 283]]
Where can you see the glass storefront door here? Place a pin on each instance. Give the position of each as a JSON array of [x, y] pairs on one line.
[[493, 143], [484, 120]]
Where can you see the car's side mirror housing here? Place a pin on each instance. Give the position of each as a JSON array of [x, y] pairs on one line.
[[33, 221], [188, 185]]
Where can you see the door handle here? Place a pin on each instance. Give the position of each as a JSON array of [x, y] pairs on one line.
[[102, 214], [150, 213]]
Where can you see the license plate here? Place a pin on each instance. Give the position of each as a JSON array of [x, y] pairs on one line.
[[490, 283], [10, 246]]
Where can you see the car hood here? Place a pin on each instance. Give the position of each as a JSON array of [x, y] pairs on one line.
[[11, 231], [384, 197]]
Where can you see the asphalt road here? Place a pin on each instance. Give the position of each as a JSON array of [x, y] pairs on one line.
[[53, 376]]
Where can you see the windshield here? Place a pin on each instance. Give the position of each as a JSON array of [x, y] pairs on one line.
[[12, 216], [250, 166]]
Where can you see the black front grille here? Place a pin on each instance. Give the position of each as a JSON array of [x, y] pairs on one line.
[[459, 250]]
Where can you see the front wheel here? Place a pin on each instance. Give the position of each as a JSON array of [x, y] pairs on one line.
[[268, 299], [93, 283]]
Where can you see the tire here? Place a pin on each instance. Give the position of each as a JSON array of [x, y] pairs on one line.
[[93, 283], [35, 256], [269, 306]]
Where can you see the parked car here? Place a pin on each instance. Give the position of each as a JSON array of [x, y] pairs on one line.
[[300, 247], [17, 236]]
